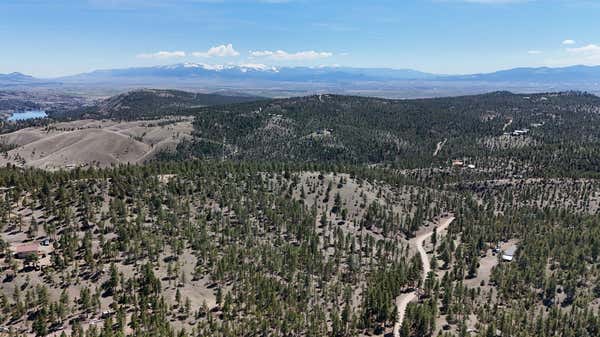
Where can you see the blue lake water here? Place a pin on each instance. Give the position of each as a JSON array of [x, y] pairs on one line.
[[21, 116]]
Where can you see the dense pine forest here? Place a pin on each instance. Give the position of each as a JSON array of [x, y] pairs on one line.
[[561, 131], [148, 104], [314, 216]]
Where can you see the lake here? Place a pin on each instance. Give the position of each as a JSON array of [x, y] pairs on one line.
[[21, 116]]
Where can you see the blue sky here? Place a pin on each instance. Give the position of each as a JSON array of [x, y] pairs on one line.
[[57, 37]]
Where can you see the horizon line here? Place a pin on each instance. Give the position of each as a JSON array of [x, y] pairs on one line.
[[305, 66]]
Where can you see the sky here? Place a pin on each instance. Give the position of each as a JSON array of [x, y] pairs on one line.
[[49, 38]]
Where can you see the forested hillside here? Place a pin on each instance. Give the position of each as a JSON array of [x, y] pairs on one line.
[[316, 216], [149, 103], [223, 249], [561, 130]]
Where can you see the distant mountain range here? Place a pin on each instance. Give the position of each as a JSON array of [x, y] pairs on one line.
[[15, 78], [194, 71], [301, 74], [260, 79], [542, 74]]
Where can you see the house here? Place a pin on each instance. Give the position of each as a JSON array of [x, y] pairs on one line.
[[458, 163], [520, 132], [509, 253], [26, 250]]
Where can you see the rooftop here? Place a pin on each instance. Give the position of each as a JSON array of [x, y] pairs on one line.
[[26, 248], [510, 251]]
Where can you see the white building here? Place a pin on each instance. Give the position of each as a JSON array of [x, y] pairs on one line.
[[509, 253]]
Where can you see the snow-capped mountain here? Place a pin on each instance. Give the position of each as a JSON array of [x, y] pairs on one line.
[[197, 71], [263, 79], [220, 67]]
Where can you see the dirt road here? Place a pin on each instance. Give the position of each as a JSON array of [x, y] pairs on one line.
[[439, 147], [507, 124], [403, 300]]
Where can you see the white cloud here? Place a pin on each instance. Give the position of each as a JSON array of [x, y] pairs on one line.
[[586, 55], [534, 52], [218, 51], [162, 55], [590, 52], [568, 42], [281, 55]]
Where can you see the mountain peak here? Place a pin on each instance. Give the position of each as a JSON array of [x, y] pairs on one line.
[[245, 67], [16, 75]]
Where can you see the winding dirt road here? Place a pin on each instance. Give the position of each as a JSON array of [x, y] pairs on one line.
[[510, 120], [439, 147], [403, 300]]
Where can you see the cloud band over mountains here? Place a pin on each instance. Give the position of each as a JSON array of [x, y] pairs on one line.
[[228, 50]]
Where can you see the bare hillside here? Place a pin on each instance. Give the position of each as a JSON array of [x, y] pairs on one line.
[[91, 142]]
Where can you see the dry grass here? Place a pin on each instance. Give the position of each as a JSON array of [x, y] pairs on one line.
[[93, 143]]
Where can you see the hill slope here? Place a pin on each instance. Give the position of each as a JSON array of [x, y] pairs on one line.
[[92, 143], [371, 130], [248, 248], [148, 103]]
